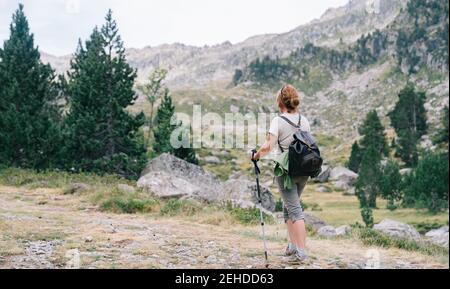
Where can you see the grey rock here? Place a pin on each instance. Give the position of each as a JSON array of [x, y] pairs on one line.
[[212, 160], [313, 221], [343, 177], [170, 177], [88, 239], [126, 189], [343, 230], [397, 229], [77, 188], [244, 194], [327, 232], [323, 189], [439, 236], [324, 175]]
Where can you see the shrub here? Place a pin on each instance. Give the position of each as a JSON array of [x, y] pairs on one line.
[[279, 205], [391, 184], [175, 207], [427, 186], [367, 216], [370, 237], [249, 216], [123, 205]]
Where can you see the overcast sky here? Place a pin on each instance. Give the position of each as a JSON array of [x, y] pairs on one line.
[[58, 24]]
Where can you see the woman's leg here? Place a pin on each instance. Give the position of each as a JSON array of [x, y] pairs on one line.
[[297, 231], [300, 226], [293, 212]]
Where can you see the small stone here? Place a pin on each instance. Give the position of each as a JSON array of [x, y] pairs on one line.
[[343, 230], [327, 232], [323, 189], [212, 160], [126, 189], [211, 260], [76, 188], [88, 239]]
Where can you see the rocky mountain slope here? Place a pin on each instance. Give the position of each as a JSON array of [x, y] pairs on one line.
[[353, 59], [203, 66], [340, 84]]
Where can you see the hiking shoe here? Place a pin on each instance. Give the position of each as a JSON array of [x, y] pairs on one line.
[[290, 250], [299, 257]]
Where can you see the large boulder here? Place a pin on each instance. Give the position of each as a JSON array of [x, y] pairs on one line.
[[343, 178], [324, 175], [439, 236], [343, 230], [314, 221], [170, 177], [244, 193], [397, 230]]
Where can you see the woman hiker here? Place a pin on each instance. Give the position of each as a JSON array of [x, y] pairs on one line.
[[280, 136]]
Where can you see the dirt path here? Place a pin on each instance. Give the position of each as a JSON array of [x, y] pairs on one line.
[[45, 229]]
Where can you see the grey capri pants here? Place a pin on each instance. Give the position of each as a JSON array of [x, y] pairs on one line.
[[292, 208]]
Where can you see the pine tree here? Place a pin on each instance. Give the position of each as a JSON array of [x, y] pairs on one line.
[[153, 91], [427, 186], [165, 126], [367, 185], [410, 123], [29, 117], [101, 135], [372, 132], [188, 154], [442, 135], [391, 184], [355, 158]]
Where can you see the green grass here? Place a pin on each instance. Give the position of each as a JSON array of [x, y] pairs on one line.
[[123, 205], [370, 237], [338, 210], [176, 207], [249, 216], [425, 227], [54, 179]]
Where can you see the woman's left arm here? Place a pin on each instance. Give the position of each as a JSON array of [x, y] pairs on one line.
[[267, 147]]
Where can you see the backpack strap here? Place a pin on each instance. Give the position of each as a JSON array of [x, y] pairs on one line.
[[297, 126]]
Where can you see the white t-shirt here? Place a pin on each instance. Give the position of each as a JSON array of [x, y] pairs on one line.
[[282, 130]]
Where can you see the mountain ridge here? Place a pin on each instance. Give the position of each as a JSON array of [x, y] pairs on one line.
[[192, 66]]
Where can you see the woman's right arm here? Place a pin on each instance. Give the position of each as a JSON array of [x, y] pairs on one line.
[[267, 147]]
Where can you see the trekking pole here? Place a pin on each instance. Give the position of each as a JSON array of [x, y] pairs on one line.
[[257, 173]]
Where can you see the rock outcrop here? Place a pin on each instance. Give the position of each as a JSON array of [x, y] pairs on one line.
[[324, 175], [439, 236], [313, 221], [331, 232], [170, 177], [398, 230], [343, 178]]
